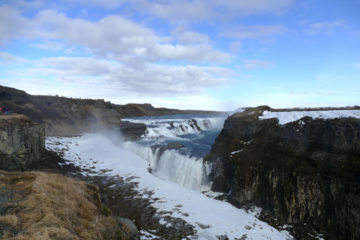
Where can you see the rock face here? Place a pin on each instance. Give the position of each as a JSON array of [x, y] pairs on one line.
[[305, 171], [21, 142], [132, 131]]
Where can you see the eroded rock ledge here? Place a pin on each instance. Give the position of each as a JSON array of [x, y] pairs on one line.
[[21, 142], [304, 172]]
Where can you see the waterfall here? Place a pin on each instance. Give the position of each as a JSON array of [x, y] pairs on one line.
[[172, 166], [185, 164]]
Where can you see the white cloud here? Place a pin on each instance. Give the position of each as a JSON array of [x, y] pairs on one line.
[[198, 53], [189, 37], [12, 24], [116, 78], [7, 58], [253, 64], [112, 36], [324, 26], [235, 46], [200, 10], [257, 31], [52, 46], [327, 26], [100, 3]]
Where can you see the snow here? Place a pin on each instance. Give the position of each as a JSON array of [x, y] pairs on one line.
[[235, 152], [292, 116], [239, 110], [100, 153]]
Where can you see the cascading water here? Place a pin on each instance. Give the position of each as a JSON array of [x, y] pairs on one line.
[[184, 165], [172, 166], [172, 160]]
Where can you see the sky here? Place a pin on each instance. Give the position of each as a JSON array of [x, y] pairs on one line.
[[186, 54]]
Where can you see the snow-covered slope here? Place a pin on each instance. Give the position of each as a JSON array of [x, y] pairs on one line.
[[97, 152], [291, 116]]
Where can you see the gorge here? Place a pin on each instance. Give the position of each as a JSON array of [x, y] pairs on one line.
[[176, 172]]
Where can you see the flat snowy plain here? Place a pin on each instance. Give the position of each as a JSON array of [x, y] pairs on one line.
[[99, 153]]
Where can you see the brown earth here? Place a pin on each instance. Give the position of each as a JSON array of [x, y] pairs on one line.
[[36, 205]]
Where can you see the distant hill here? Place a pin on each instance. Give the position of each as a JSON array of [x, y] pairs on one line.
[[63, 116]]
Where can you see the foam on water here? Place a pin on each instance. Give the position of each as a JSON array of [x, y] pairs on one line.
[[173, 128]]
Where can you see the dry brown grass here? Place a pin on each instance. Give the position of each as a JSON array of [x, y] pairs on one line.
[[51, 206]]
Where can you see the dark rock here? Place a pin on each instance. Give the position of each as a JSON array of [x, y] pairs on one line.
[[174, 145], [222, 237], [302, 172], [21, 142], [163, 148], [132, 131]]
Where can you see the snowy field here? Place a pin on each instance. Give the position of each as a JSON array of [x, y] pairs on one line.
[[291, 116], [109, 157]]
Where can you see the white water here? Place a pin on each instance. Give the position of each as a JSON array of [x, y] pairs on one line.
[[292, 116], [99, 153], [173, 128], [172, 166]]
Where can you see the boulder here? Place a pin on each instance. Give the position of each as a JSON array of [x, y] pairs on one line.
[[130, 231]]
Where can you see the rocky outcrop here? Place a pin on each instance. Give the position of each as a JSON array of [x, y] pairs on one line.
[[303, 172], [21, 142], [132, 131]]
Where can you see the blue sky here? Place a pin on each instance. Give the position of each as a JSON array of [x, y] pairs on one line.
[[200, 54]]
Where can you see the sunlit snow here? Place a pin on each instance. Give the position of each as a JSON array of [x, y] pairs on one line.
[[291, 116]]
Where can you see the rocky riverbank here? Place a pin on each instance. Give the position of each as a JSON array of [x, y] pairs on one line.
[[305, 172], [43, 205]]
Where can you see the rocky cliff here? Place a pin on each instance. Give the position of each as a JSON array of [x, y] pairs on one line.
[[305, 172], [21, 142], [67, 116]]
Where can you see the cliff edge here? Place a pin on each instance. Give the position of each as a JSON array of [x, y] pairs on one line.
[[39, 205], [21, 142], [305, 172]]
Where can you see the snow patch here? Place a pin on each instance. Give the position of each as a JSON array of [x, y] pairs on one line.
[[292, 116], [235, 152]]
